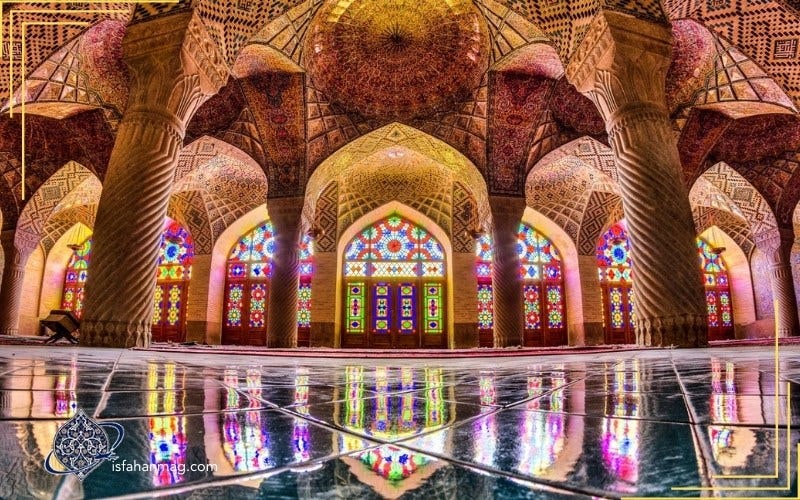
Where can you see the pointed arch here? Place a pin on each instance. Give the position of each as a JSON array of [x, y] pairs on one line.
[[393, 140], [573, 293], [418, 218]]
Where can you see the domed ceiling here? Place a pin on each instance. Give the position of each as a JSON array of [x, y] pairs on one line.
[[397, 59]]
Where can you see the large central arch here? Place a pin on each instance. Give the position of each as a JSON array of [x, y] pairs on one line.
[[420, 219], [422, 178]]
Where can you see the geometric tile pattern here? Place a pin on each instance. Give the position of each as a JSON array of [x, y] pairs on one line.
[[508, 30], [287, 32], [750, 202], [42, 40], [464, 128], [733, 78], [71, 80], [215, 194], [576, 187], [560, 191], [403, 139], [189, 209], [734, 226], [410, 178], [243, 133], [602, 209], [328, 127], [465, 219], [60, 222], [40, 206], [326, 218], [767, 31]]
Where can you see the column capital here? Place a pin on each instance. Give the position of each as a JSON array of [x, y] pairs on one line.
[[621, 64], [175, 65], [776, 243], [286, 212], [506, 210]]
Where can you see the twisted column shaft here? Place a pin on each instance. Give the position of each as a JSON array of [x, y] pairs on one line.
[[11, 290], [285, 214], [172, 75], [783, 295], [777, 245], [506, 283], [621, 66]]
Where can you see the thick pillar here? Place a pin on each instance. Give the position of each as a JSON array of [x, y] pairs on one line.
[[286, 215], [174, 68], [621, 65], [777, 245], [14, 260], [506, 282]]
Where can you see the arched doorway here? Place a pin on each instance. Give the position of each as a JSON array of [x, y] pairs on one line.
[[614, 268], [247, 276], [172, 285], [247, 287], [718, 292], [542, 289], [173, 274], [394, 287]]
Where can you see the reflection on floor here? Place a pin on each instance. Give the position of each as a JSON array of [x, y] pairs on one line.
[[612, 424]]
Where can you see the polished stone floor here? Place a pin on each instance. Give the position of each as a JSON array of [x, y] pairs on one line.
[[636, 423]]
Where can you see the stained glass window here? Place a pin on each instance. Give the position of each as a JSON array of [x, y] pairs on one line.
[[614, 270], [394, 287], [483, 270], [718, 292], [75, 278], [541, 270], [249, 268], [304, 290], [247, 288], [173, 274]]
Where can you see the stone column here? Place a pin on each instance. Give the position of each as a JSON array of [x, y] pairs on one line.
[[174, 68], [14, 260], [286, 217], [777, 245], [621, 65], [506, 281]]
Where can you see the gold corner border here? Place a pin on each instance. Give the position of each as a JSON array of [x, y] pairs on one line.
[[23, 55], [711, 489]]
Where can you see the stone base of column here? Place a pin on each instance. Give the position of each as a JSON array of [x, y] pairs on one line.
[[105, 333], [685, 330]]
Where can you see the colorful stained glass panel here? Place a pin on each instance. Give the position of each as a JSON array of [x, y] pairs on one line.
[[433, 308], [355, 307]]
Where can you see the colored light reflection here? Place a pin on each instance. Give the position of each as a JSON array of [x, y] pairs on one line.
[[730, 445], [247, 442], [484, 430], [543, 432], [167, 433], [621, 435], [395, 416], [300, 434], [66, 401]]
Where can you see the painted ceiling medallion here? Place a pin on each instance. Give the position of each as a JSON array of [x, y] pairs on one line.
[[397, 59]]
